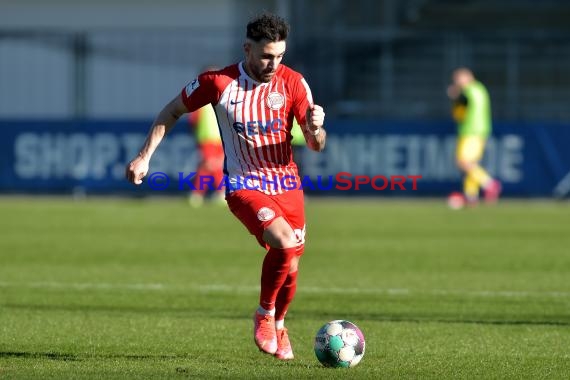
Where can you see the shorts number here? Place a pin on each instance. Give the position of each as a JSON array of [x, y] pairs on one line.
[[300, 235]]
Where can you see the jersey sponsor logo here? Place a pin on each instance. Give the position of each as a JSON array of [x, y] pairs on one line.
[[192, 86], [234, 102], [265, 213], [275, 101], [258, 127]]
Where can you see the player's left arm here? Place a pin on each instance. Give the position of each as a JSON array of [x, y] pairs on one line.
[[314, 132], [311, 117]]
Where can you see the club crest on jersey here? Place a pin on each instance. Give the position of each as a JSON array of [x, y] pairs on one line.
[[275, 100], [192, 86], [265, 213]]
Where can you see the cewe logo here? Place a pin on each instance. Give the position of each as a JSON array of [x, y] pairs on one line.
[[258, 127]]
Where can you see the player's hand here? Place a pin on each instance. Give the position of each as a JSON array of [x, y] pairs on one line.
[[315, 117], [137, 170]]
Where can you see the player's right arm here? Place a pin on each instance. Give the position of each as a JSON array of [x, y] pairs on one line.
[[195, 95], [164, 122]]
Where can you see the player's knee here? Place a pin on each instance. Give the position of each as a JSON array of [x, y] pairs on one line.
[[279, 239], [464, 165], [280, 235]]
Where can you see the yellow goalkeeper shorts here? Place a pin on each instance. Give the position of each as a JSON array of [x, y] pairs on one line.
[[470, 148]]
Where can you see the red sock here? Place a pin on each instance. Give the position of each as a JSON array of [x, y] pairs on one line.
[[285, 296], [273, 274]]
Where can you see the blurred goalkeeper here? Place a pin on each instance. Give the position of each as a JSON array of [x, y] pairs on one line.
[[472, 113], [255, 102]]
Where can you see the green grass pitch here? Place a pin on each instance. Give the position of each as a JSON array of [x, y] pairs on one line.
[[150, 288]]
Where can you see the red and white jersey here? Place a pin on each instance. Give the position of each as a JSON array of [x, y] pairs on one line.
[[255, 121]]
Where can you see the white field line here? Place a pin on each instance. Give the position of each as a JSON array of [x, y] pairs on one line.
[[223, 288]]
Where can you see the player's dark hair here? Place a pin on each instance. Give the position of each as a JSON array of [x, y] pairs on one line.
[[267, 26]]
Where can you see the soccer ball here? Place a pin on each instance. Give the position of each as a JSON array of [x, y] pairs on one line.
[[456, 201], [339, 344]]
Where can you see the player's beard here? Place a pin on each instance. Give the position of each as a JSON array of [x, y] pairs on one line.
[[264, 75], [267, 76]]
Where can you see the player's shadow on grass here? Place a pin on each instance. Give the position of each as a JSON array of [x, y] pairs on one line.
[[183, 311], [75, 357], [438, 318], [38, 355], [187, 312]]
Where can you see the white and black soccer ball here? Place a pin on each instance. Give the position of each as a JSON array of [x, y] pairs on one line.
[[339, 344]]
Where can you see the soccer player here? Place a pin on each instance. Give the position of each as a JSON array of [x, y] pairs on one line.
[[205, 128], [472, 112], [255, 102]]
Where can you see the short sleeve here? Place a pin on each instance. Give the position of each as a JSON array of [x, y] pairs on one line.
[[302, 99], [200, 92]]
